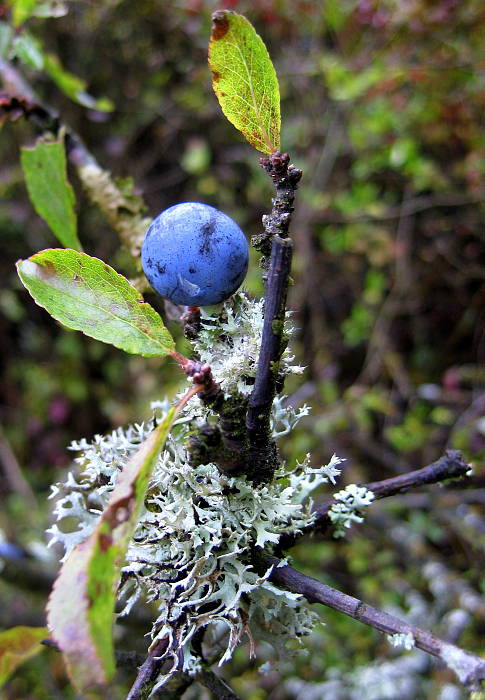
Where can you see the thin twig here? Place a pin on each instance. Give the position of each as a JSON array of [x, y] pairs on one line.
[[148, 671], [174, 686], [13, 472], [380, 347], [27, 574], [128, 660], [216, 685], [412, 206], [450, 466], [469, 668]]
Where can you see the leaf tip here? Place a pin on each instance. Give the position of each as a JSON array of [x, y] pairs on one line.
[[220, 24]]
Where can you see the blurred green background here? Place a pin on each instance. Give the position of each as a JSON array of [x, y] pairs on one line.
[[382, 108]]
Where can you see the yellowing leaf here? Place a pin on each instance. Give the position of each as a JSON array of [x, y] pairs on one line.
[[244, 80], [81, 606], [17, 645]]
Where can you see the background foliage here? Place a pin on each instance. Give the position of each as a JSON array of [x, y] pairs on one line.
[[382, 106]]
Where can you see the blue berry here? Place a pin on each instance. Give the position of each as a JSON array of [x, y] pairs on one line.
[[194, 254]]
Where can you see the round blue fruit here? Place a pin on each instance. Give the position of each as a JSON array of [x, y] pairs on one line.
[[193, 254]]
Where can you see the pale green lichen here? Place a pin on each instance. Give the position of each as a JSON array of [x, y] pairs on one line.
[[347, 510], [192, 552], [119, 202], [466, 666], [406, 641], [230, 343]]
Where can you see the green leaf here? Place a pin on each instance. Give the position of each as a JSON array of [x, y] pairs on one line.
[[84, 595], [49, 190], [22, 10], [28, 50], [6, 34], [17, 645], [335, 14], [73, 86], [244, 80], [86, 294]]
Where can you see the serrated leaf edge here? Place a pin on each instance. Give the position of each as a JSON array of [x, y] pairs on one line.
[[138, 299]]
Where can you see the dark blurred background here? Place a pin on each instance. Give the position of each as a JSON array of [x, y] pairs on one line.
[[382, 108]]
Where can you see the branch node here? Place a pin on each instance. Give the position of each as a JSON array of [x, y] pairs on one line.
[[191, 322]]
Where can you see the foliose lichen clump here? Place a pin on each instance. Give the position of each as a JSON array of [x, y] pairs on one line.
[[230, 344], [192, 551]]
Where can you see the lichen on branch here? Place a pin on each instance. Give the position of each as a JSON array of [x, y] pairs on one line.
[[192, 551], [121, 205]]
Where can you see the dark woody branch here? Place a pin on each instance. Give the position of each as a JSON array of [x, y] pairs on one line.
[[148, 671], [450, 466], [178, 683], [285, 178], [262, 450], [274, 242], [469, 668]]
